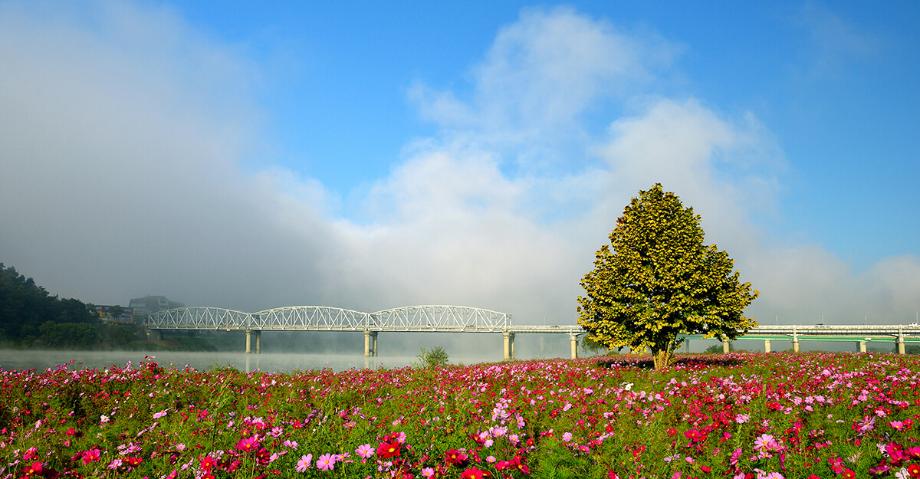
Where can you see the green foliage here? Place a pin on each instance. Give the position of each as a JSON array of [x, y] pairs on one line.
[[432, 358], [590, 345], [31, 317], [25, 308], [714, 349], [657, 279]]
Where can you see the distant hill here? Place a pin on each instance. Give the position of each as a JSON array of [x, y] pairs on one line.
[[31, 317]]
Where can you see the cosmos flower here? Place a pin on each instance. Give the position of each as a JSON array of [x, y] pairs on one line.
[[304, 463], [326, 462]]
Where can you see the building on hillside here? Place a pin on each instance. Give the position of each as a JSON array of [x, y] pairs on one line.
[[113, 314], [151, 304]]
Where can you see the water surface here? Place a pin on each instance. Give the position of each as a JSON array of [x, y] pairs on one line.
[[272, 362]]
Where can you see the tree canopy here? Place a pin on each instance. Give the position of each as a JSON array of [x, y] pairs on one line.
[[656, 280]]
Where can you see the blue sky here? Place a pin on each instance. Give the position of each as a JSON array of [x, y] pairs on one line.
[[834, 83], [371, 155]]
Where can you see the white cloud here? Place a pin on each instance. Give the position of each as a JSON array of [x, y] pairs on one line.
[[123, 132]]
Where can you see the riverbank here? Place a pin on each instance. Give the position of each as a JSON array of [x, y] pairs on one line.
[[720, 416]]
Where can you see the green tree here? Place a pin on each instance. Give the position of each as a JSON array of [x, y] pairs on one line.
[[657, 279]]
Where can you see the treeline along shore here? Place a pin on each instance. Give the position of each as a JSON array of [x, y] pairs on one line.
[[31, 317]]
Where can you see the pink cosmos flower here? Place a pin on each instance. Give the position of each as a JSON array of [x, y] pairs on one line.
[[566, 437], [160, 414], [365, 451], [30, 454], [304, 463], [427, 473], [766, 443], [326, 462]]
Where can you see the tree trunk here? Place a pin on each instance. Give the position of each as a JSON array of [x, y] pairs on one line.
[[662, 358]]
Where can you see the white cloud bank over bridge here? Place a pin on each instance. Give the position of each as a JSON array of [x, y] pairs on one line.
[[126, 140]]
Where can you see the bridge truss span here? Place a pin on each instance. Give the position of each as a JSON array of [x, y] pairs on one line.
[[308, 318], [440, 318], [200, 317]]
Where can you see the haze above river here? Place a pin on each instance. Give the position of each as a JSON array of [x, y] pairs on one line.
[[271, 362]]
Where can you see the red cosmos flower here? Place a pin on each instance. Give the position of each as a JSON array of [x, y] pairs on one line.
[[612, 475], [695, 436], [387, 450], [207, 462], [455, 457], [133, 461], [836, 464], [90, 455], [34, 469], [914, 470], [814, 476], [849, 474], [474, 473]]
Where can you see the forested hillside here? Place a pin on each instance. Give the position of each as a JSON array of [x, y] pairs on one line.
[[32, 317]]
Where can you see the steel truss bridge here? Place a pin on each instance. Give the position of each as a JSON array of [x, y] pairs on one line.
[[465, 319]]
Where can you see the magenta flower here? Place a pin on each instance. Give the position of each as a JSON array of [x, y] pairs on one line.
[[248, 444], [90, 455]]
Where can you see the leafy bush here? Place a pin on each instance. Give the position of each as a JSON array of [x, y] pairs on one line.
[[432, 358]]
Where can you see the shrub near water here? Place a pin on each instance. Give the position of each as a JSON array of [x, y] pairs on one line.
[[432, 358], [735, 416]]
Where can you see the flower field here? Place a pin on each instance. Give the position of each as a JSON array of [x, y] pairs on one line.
[[733, 416]]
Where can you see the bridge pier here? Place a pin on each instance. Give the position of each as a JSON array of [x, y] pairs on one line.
[[767, 346], [508, 343], [726, 346], [250, 335], [370, 343], [862, 346], [573, 345], [901, 348], [795, 339]]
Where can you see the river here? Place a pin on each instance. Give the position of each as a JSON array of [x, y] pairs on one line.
[[272, 362]]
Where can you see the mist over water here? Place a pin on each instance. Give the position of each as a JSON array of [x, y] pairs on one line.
[[395, 351], [269, 362]]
